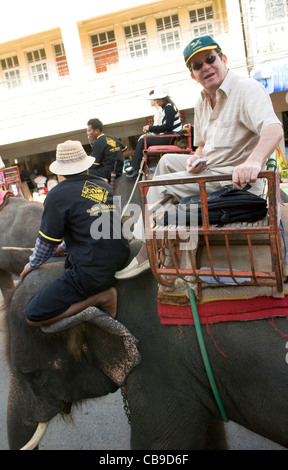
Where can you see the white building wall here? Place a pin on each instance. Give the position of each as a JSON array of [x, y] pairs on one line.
[[118, 95]]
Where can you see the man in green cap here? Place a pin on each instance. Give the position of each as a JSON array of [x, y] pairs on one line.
[[235, 127], [235, 131]]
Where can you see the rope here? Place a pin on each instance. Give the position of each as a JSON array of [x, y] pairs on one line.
[[134, 187], [205, 355]]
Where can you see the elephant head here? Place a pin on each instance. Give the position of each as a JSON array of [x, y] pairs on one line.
[[51, 370]]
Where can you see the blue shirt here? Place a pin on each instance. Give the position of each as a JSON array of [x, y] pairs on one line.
[[42, 252]]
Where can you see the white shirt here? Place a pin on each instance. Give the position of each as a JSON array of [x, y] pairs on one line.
[[158, 116], [231, 130]]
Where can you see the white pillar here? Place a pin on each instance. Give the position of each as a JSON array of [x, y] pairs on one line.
[[74, 54], [236, 39]]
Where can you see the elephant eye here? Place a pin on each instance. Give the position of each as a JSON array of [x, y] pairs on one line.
[[34, 375]]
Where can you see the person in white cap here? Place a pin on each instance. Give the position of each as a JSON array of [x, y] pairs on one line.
[[170, 123], [158, 112], [81, 211], [235, 130]]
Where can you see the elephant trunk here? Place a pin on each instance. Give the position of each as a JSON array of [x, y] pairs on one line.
[[21, 424]]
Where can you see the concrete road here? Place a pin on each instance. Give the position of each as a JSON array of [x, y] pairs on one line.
[[101, 424]]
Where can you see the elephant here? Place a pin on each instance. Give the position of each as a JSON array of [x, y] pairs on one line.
[[20, 222], [170, 400]]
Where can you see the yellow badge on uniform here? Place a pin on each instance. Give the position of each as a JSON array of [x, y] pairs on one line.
[[111, 142], [94, 192]]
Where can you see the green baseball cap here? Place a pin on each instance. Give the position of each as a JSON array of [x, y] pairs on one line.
[[203, 43]]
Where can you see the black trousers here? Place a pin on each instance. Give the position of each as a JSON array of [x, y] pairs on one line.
[[154, 140], [56, 297]]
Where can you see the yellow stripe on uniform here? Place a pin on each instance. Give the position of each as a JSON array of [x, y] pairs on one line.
[[49, 238]]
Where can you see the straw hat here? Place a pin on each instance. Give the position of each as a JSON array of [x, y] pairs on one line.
[[71, 159]]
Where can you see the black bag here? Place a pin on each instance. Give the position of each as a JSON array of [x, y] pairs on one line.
[[224, 207]]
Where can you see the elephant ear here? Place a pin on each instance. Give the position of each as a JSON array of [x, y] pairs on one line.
[[116, 347]]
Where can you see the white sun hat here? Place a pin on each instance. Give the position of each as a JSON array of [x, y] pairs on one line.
[[159, 93], [150, 96], [71, 159]]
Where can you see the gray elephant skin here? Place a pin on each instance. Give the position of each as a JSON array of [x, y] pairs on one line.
[[171, 403], [20, 221]]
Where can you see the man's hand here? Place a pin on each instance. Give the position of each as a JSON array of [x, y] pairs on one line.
[[59, 251], [25, 271], [195, 169], [246, 173], [249, 170]]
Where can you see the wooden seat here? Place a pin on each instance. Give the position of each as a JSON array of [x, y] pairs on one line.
[[171, 255], [10, 180], [153, 153]]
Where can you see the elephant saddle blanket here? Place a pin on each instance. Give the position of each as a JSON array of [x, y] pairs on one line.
[[4, 197], [220, 310]]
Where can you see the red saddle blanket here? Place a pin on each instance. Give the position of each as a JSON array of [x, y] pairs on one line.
[[4, 195], [224, 310]]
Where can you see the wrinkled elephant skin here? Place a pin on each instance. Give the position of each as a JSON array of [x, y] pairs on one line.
[[20, 222], [171, 403]]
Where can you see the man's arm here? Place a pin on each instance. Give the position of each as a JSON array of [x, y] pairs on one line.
[[248, 171], [42, 252]]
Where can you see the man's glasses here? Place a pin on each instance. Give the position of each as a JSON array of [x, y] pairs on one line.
[[198, 65]]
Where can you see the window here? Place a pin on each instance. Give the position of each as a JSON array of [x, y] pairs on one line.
[[104, 50], [61, 61], [38, 66], [274, 9], [201, 20], [136, 41], [269, 34], [135, 30], [169, 33], [167, 22], [11, 72]]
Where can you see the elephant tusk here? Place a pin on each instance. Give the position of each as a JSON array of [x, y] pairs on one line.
[[37, 436]]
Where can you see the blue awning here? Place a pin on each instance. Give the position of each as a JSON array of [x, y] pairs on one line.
[[273, 78]]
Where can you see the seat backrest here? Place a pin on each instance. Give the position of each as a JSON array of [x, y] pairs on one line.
[[185, 133], [10, 179]]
